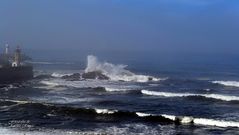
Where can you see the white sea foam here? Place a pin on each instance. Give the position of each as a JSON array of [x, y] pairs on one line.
[[16, 131], [202, 121], [109, 86], [105, 111], [227, 83], [218, 123], [115, 72], [59, 75], [115, 89], [61, 99], [196, 121], [50, 83], [186, 120], [169, 94], [171, 117], [143, 114]]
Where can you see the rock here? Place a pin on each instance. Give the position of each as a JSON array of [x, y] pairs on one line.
[[99, 88], [43, 77], [73, 77], [150, 78], [89, 75], [94, 75]]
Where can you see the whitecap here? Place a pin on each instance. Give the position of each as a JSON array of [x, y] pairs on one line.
[[196, 121], [109, 86], [50, 83], [227, 83], [105, 111], [169, 94], [116, 89], [59, 75], [218, 123], [143, 114]]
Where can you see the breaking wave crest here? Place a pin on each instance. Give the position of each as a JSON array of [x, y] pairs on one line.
[[169, 94], [106, 115], [50, 83], [116, 89], [115, 72], [191, 120], [227, 83], [59, 75]]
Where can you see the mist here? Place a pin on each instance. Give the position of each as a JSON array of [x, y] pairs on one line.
[[172, 29]]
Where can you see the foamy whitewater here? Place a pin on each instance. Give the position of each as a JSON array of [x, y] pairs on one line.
[[197, 121], [227, 83], [115, 72], [107, 85], [213, 96]]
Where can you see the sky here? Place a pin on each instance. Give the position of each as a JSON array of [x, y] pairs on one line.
[[119, 27]]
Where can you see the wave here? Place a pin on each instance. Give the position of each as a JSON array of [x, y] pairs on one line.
[[169, 94], [196, 121], [60, 75], [115, 115], [105, 111], [227, 83], [10, 86], [115, 89], [104, 85], [15, 101], [50, 83], [115, 72]]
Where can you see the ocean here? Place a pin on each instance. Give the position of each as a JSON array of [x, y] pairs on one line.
[[138, 98]]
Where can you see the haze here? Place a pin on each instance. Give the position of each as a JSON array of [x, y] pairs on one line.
[[122, 27]]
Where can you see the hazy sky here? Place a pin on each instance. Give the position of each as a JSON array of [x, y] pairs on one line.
[[159, 26]]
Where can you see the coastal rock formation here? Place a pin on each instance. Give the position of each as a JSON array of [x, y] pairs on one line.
[[89, 75], [94, 75], [73, 77]]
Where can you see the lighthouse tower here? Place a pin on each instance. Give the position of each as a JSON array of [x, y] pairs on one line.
[[7, 49], [17, 57]]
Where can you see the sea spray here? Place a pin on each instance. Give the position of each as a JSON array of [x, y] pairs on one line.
[[115, 72]]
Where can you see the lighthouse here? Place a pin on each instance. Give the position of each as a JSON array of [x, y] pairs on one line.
[[7, 49], [17, 57]]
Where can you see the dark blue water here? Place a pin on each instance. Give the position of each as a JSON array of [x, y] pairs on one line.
[[183, 98]]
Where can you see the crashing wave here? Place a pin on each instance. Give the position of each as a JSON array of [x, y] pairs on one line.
[[143, 114], [50, 83], [196, 121], [218, 123], [115, 72], [59, 75], [227, 83], [105, 111], [115, 89], [202, 121], [168, 94]]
